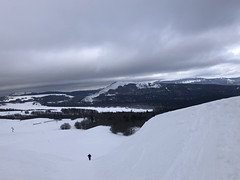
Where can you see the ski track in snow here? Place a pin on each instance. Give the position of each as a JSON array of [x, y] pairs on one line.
[[195, 143]]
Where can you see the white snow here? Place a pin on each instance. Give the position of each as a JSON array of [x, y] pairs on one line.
[[196, 143], [42, 151], [230, 81], [190, 81], [30, 97], [38, 106], [4, 113], [105, 90], [200, 143], [27, 106], [149, 84]]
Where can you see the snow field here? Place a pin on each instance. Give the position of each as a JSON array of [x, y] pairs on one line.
[[43, 151], [31, 97], [200, 143], [38, 106]]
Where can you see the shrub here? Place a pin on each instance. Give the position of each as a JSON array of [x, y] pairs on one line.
[[84, 124], [77, 125], [130, 131], [65, 126]]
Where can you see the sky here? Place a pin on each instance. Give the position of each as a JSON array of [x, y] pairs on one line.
[[93, 43]]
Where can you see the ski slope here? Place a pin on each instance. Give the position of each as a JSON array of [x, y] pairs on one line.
[[200, 143]]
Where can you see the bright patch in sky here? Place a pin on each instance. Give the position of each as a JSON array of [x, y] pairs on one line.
[[83, 53], [235, 51]]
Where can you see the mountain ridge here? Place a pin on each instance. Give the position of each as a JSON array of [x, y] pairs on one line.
[[161, 95], [158, 84]]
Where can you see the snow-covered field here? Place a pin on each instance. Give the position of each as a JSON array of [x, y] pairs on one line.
[[31, 97], [43, 151], [196, 143], [38, 106]]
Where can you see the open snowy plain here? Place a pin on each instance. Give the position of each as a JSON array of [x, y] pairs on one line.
[[196, 143]]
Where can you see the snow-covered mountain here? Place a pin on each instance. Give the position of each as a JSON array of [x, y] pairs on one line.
[[219, 81], [168, 95], [200, 143], [116, 85], [112, 90], [163, 96]]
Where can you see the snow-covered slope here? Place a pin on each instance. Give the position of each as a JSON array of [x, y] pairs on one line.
[[38, 150], [219, 81], [200, 143], [115, 85]]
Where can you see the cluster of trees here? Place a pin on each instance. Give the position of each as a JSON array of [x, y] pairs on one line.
[[120, 122], [66, 113]]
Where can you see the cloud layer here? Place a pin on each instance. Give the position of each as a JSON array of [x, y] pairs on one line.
[[55, 41]]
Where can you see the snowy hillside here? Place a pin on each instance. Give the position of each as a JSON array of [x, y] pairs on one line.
[[196, 143], [114, 86], [219, 81], [200, 143]]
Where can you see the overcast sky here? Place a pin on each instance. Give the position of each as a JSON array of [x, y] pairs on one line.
[[92, 42]]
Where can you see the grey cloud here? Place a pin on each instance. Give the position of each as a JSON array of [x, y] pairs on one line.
[[53, 41]]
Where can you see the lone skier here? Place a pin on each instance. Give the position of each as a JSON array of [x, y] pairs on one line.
[[12, 129], [89, 157]]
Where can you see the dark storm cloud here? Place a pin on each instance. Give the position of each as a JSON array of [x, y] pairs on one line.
[[54, 41]]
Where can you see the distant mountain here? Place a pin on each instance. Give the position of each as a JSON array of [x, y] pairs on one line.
[[161, 95], [116, 85], [50, 98], [108, 91], [219, 81]]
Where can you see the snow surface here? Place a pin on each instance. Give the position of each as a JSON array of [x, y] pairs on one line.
[[31, 97], [150, 84], [105, 90], [37, 106], [42, 151], [4, 113], [190, 81], [196, 143]]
